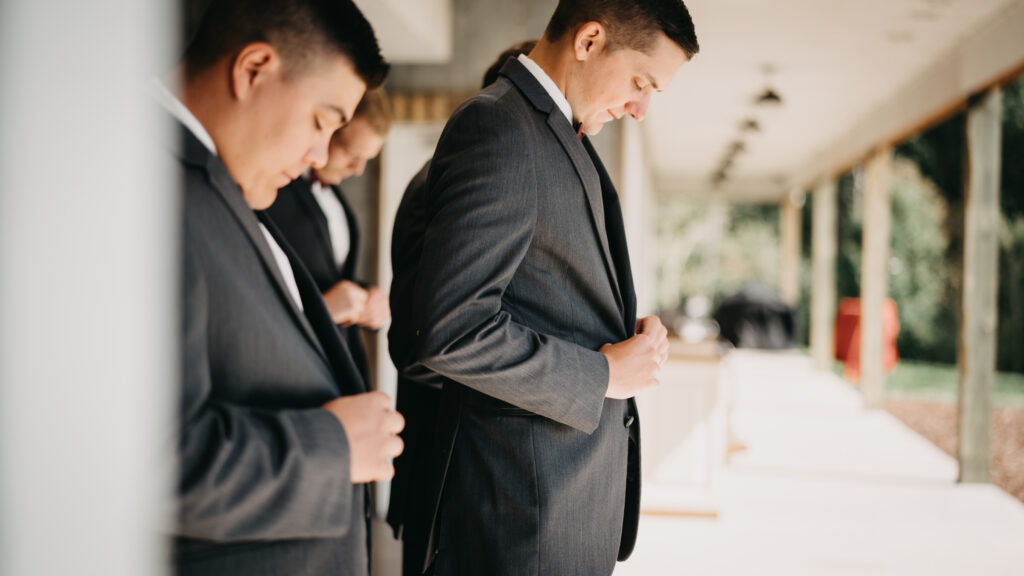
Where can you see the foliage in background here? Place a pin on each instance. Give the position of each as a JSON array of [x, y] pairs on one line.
[[712, 249], [1010, 354], [939, 153], [918, 277]]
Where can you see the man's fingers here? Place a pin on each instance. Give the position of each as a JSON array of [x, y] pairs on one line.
[[394, 422], [393, 446], [645, 340], [380, 400]]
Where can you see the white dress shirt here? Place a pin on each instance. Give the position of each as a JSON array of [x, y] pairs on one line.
[[549, 86], [178, 109], [285, 267], [337, 222]]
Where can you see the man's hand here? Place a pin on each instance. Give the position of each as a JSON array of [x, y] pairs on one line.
[[372, 429], [652, 326], [634, 364], [345, 301], [376, 311]]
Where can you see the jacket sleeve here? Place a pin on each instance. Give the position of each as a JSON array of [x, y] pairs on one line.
[[481, 215], [247, 473]]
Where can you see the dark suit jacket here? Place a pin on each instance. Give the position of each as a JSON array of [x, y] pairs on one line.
[[523, 275], [299, 217], [264, 483], [411, 506]]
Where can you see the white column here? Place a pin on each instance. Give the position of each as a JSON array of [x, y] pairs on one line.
[[823, 285], [89, 225], [637, 198], [874, 276], [789, 233], [981, 269]]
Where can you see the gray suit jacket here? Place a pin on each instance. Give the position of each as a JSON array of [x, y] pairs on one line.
[[523, 276], [264, 481]]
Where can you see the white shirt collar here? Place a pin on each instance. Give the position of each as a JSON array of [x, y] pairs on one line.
[[178, 109], [548, 84], [283, 266]]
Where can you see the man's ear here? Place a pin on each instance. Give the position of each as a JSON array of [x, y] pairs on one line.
[[251, 67], [589, 40]]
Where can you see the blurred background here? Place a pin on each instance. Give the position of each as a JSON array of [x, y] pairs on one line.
[[826, 207]]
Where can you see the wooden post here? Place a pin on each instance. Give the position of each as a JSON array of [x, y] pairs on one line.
[[789, 228], [874, 276], [981, 252], [823, 266]]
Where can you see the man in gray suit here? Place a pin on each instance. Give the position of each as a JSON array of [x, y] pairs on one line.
[[278, 435], [524, 307]]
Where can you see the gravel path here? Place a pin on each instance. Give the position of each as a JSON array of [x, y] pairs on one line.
[[937, 421]]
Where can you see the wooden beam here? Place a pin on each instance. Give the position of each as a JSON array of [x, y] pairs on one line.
[[874, 276], [981, 268], [789, 232], [823, 267]]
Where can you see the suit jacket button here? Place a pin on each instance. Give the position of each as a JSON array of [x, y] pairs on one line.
[[629, 420]]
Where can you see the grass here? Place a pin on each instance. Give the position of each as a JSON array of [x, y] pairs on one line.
[[940, 382]]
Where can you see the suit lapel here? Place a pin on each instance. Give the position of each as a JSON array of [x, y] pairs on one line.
[[193, 152], [586, 168], [347, 376], [304, 190], [591, 181], [616, 230]]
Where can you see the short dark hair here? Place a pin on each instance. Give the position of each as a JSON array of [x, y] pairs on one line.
[[376, 110], [628, 23], [300, 30], [512, 51]]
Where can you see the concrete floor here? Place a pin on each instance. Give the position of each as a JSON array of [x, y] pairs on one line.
[[826, 488]]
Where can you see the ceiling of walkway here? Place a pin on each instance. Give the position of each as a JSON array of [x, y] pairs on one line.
[[848, 74], [833, 64]]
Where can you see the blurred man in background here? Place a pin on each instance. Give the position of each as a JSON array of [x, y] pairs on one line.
[[319, 223], [277, 433]]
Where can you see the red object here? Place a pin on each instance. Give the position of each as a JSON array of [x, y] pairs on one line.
[[847, 336]]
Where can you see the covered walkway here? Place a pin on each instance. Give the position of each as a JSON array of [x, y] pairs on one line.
[[828, 487]]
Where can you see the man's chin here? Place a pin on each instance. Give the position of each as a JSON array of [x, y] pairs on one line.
[[260, 199], [329, 177], [593, 129]]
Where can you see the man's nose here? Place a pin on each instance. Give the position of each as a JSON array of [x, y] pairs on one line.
[[316, 156], [638, 108]]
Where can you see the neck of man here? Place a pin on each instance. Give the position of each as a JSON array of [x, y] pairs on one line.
[[557, 61], [211, 100], [202, 97], [324, 179]]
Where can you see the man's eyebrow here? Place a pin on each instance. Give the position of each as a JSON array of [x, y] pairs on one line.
[[652, 82], [342, 116]]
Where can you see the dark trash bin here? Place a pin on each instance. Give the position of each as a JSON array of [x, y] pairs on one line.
[[757, 317]]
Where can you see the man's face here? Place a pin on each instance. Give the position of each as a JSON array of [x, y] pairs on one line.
[[289, 123], [613, 83], [351, 148]]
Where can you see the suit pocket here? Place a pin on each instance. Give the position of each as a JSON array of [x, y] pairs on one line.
[[484, 404]]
